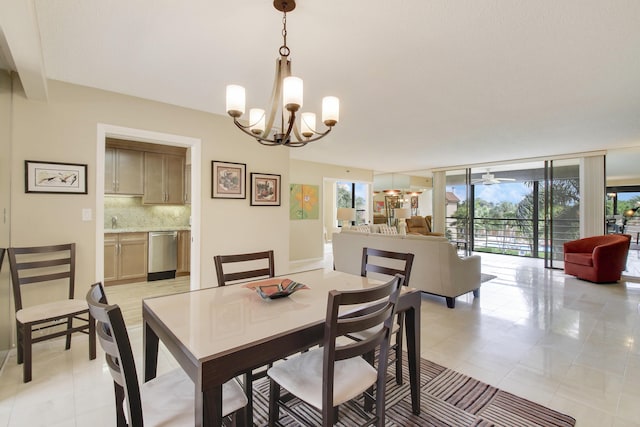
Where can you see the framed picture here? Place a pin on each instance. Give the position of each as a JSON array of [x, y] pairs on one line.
[[392, 202], [228, 180], [265, 189], [414, 205], [52, 177]]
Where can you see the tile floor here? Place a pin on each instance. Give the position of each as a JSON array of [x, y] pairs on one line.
[[567, 344]]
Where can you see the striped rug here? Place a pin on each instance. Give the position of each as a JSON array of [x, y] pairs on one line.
[[448, 398]]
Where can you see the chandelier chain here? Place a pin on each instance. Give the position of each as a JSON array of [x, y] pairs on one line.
[[284, 49]]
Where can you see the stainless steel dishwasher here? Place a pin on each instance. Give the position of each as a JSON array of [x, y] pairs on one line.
[[163, 255]]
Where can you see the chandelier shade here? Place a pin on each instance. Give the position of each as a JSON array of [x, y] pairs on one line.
[[279, 126]]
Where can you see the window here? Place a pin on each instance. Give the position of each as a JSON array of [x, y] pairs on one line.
[[354, 195]]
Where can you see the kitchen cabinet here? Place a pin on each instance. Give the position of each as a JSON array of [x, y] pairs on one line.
[[184, 253], [125, 257], [163, 179], [123, 171]]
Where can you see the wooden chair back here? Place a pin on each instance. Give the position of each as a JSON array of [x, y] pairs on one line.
[[244, 259], [42, 264], [114, 340], [379, 316], [369, 266]]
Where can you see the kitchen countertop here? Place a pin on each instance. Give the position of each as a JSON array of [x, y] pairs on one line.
[[145, 229]]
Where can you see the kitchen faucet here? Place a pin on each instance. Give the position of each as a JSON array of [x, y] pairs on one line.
[[114, 221]]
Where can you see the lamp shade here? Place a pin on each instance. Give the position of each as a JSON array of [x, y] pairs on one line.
[[308, 124], [292, 93], [402, 213], [330, 110], [346, 214], [235, 100], [256, 120]]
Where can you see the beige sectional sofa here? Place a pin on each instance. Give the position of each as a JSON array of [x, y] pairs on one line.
[[437, 268]]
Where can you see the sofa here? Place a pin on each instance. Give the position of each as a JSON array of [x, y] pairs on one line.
[[437, 268], [598, 259], [421, 225]]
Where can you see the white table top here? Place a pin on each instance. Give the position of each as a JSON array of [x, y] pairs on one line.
[[215, 321]]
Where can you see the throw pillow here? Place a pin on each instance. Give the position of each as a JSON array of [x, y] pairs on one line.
[[361, 228], [385, 229]]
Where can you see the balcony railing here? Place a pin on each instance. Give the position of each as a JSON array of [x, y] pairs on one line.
[[513, 236]]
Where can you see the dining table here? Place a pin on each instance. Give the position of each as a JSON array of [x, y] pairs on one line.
[[218, 333]]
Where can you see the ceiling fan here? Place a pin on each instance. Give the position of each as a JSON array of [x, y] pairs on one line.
[[489, 179]]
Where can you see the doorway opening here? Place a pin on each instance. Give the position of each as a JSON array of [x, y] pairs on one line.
[[193, 145]]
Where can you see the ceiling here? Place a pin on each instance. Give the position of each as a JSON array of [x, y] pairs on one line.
[[423, 83]]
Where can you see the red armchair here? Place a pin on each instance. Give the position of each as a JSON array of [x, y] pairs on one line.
[[598, 259]]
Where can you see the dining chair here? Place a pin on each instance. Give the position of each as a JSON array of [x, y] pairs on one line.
[[388, 263], [336, 373], [47, 272], [244, 266], [241, 267], [167, 400]]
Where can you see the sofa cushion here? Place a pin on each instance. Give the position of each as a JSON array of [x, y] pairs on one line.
[[579, 258], [361, 228], [427, 238]]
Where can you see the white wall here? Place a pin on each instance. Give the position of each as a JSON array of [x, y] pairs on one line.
[[306, 236], [64, 130], [6, 304]]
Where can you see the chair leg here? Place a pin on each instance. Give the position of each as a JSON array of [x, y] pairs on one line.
[[26, 352], [368, 401], [121, 420], [67, 345], [20, 342], [274, 397], [92, 338], [399, 337]]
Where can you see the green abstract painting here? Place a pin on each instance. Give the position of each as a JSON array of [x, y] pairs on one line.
[[304, 202]]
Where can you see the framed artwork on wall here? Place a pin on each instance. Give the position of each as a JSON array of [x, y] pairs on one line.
[[392, 202], [414, 205], [228, 180], [265, 189], [53, 177], [303, 201]]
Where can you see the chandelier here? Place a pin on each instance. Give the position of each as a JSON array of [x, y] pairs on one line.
[[263, 126]]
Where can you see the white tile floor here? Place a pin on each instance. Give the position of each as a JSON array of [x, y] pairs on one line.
[[571, 345]]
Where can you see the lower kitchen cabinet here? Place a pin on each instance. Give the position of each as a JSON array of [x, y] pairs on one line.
[[184, 253], [125, 257]]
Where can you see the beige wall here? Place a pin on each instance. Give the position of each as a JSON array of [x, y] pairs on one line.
[[6, 305], [64, 130], [306, 236]]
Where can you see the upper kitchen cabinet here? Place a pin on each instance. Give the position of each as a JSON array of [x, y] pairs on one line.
[[123, 171], [163, 178]]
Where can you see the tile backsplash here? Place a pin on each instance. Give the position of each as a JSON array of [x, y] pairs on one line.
[[131, 213]]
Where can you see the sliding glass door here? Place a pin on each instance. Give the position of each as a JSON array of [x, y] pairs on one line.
[[561, 208], [459, 211]]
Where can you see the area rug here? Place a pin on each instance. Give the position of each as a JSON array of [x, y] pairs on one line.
[[486, 277], [448, 398]]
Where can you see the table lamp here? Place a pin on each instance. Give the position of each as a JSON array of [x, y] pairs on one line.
[[402, 214], [346, 215]]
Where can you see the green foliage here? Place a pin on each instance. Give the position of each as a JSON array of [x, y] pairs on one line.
[[502, 218]]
